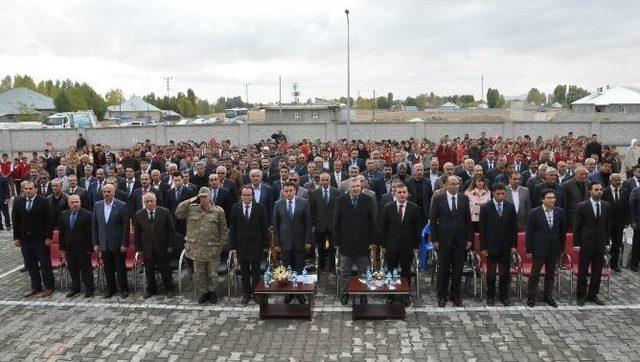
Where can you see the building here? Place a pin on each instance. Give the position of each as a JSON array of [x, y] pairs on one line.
[[319, 112], [135, 110], [23, 104], [449, 106], [617, 99], [410, 108], [556, 105]]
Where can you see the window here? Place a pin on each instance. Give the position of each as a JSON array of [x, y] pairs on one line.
[[623, 109], [314, 115], [296, 115]]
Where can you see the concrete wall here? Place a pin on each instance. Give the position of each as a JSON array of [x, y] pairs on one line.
[[13, 140], [324, 115]]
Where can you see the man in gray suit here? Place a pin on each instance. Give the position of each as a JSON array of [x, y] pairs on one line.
[[111, 239], [292, 230], [519, 197], [575, 190], [632, 183]]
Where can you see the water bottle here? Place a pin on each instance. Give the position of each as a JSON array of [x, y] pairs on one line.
[[267, 277], [294, 278]]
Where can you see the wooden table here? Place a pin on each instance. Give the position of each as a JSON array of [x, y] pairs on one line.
[[377, 311], [282, 310]]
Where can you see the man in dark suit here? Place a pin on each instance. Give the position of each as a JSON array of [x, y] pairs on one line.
[[498, 241], [155, 240], [451, 233], [590, 239], [520, 198], [57, 202], [633, 183], [354, 233], [550, 182], [228, 184], [173, 198], [575, 190], [355, 160], [420, 192], [220, 195], [32, 233], [634, 211], [338, 175], [5, 195], [130, 182], [618, 197], [322, 201], [74, 189], [292, 230], [74, 229], [111, 239], [400, 226], [249, 238], [262, 192], [546, 234], [135, 202]]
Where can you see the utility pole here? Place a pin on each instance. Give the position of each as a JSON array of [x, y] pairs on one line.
[[246, 93], [375, 104], [280, 98], [348, 82], [168, 80], [482, 89]]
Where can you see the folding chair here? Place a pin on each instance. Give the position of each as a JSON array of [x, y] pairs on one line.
[[569, 264]]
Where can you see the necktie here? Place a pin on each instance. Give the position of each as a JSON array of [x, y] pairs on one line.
[[354, 201], [290, 209], [246, 212], [129, 184], [500, 209], [72, 191], [400, 206], [178, 193], [453, 204], [151, 216], [597, 211], [72, 221], [549, 219], [215, 194], [29, 201], [615, 196], [326, 195]]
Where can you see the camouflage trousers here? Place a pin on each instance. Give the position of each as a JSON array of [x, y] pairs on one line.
[[205, 276]]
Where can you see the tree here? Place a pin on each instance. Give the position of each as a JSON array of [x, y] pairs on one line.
[[493, 98], [534, 96], [383, 103], [114, 97], [390, 97], [27, 113], [574, 93], [62, 102], [5, 85], [559, 94], [23, 81]]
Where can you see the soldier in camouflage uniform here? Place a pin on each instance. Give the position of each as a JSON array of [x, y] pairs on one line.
[[206, 233]]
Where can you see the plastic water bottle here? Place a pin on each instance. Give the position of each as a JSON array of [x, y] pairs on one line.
[[267, 277]]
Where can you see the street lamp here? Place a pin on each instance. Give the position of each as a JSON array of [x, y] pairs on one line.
[[348, 82]]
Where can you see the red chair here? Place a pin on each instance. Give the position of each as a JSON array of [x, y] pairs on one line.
[[570, 263], [96, 265], [482, 264], [132, 261], [526, 264], [58, 261]]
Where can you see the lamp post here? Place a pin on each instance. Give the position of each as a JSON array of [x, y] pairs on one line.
[[348, 82]]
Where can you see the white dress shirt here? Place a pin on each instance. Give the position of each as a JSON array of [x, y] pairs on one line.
[[449, 196], [256, 193], [515, 196], [107, 210]]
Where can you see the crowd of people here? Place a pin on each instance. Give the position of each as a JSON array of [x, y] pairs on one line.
[[344, 197]]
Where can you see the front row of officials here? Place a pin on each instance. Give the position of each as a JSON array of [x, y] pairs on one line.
[[352, 216]]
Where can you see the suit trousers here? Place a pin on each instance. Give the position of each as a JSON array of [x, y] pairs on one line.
[[250, 275], [617, 231], [401, 258], [113, 263], [346, 265], [324, 253], [450, 265], [294, 258], [503, 263], [594, 257], [158, 260], [635, 249], [79, 265], [4, 210], [549, 262], [34, 253], [204, 275]]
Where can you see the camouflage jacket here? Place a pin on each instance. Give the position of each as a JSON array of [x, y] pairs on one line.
[[206, 230]]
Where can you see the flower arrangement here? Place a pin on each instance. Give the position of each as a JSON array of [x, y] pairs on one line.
[[378, 278], [281, 274]]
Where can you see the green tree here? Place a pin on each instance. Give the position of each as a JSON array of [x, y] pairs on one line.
[[574, 93], [23, 81], [114, 97], [383, 103], [493, 98], [62, 102], [390, 97], [5, 84], [560, 94], [536, 97]]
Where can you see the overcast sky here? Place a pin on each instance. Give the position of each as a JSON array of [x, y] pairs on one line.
[[407, 47]]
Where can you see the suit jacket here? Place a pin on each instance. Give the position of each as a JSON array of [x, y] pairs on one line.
[[354, 229], [172, 203], [358, 161], [634, 207], [83, 196], [630, 184], [426, 191], [4, 189], [537, 193], [322, 210], [111, 234], [292, 233], [249, 237], [232, 186], [542, 240], [400, 235], [498, 234], [524, 205], [225, 199], [75, 240], [34, 225], [588, 232], [572, 196], [156, 236], [122, 185], [135, 201], [449, 228], [619, 210], [57, 206], [334, 182], [267, 199]]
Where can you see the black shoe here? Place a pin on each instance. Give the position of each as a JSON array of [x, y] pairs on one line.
[[344, 299], [288, 299], [148, 294], [203, 298], [596, 300], [442, 302], [616, 269], [109, 294], [531, 302], [88, 294], [124, 294], [72, 293], [213, 297], [301, 299], [407, 302], [506, 302], [491, 302], [245, 299], [580, 302], [363, 299], [170, 294], [457, 302], [551, 302]]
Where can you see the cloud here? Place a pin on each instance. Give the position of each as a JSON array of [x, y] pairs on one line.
[[406, 47]]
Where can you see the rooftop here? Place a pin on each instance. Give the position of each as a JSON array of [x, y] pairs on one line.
[[134, 104], [12, 100], [611, 95]]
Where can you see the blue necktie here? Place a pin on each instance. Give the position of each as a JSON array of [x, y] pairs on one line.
[[290, 209], [72, 221], [354, 201]]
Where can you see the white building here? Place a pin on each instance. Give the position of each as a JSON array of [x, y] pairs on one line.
[[617, 99], [449, 106], [135, 110], [24, 101]]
